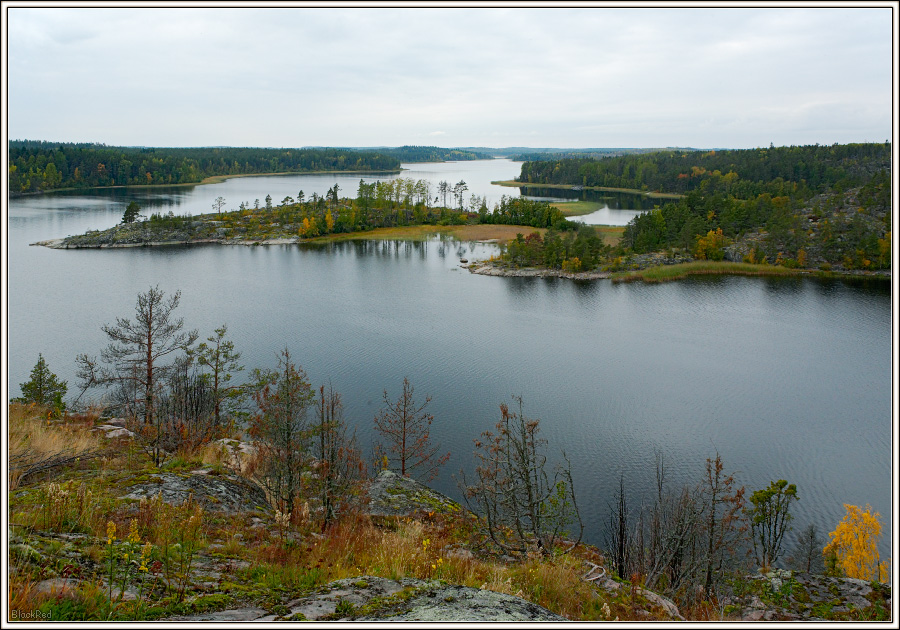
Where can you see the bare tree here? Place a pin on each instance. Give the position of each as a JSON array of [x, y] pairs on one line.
[[724, 524], [668, 539], [685, 543], [405, 425], [186, 410], [619, 536], [521, 509], [808, 551], [338, 461], [282, 429]]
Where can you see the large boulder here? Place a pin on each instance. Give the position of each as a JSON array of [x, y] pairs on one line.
[[392, 495], [219, 493], [369, 598]]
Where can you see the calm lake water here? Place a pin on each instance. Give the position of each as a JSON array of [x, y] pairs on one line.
[[784, 378], [617, 208]]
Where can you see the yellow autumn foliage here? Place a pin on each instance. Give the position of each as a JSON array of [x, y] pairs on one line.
[[711, 246], [854, 542]]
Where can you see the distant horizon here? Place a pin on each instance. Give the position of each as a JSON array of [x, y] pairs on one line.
[[440, 146]]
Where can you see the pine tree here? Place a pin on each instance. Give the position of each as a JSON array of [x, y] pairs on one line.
[[44, 388], [220, 362], [282, 429], [131, 212]]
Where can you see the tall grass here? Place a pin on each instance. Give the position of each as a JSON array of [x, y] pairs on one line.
[[665, 273], [36, 442], [424, 549]]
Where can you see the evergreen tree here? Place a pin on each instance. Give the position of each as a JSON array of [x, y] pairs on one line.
[[131, 212], [220, 363], [44, 388]]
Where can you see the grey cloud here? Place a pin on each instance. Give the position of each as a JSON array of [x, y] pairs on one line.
[[358, 75]]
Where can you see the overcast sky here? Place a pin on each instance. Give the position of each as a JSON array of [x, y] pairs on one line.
[[539, 77]]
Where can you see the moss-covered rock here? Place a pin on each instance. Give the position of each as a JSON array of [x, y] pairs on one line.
[[215, 493], [392, 495]]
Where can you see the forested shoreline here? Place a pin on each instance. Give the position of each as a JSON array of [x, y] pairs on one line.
[[812, 206], [798, 170], [38, 166]]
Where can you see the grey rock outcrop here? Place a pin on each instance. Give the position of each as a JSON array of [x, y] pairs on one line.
[[392, 495], [215, 493], [786, 595], [369, 598]]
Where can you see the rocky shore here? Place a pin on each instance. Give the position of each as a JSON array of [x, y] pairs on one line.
[[483, 269], [66, 243]]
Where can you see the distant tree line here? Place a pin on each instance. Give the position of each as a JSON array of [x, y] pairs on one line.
[[415, 153], [561, 154], [37, 166], [797, 170]]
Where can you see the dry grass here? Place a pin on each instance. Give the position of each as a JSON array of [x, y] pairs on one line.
[[297, 555], [35, 438], [576, 208], [426, 548], [611, 234], [498, 233], [666, 273]]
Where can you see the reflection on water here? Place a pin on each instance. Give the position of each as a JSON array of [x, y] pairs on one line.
[[607, 216], [618, 208]]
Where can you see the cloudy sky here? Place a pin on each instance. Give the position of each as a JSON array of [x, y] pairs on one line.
[[453, 76]]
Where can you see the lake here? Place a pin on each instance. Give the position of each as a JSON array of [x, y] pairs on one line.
[[783, 377], [617, 208]]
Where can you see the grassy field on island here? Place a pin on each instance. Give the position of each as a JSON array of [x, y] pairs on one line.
[[611, 234], [664, 273], [498, 233], [577, 208]]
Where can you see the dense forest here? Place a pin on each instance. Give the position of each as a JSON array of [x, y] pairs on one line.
[[796, 170], [433, 154], [822, 205], [36, 166], [541, 155]]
